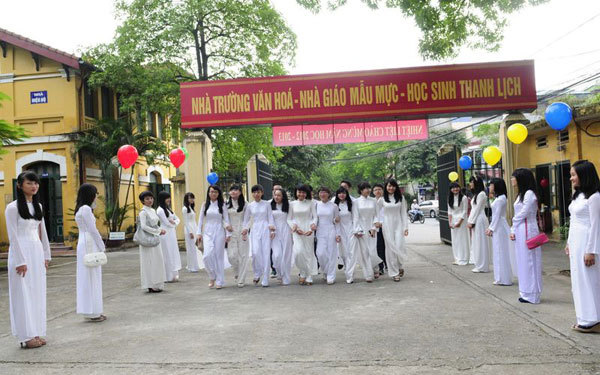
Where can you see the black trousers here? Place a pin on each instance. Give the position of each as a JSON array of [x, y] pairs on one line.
[[381, 249]]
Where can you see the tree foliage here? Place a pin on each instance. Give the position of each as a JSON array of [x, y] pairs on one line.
[[214, 39], [298, 163], [101, 143], [372, 169], [162, 43], [419, 163], [8, 132], [447, 25], [234, 147], [488, 133]]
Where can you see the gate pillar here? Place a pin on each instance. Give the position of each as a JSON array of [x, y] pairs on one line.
[[259, 171], [198, 166]]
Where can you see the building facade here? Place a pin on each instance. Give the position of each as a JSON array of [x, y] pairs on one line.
[[549, 154], [51, 100]]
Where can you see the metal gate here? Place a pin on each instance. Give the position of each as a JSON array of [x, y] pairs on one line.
[[265, 177], [446, 163]]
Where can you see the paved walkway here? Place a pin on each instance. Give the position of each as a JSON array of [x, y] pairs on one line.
[[439, 319]]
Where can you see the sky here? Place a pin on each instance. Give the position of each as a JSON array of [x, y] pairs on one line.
[[561, 36]]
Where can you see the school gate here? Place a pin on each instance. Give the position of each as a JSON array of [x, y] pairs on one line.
[[362, 106]]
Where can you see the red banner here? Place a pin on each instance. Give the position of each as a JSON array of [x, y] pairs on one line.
[[365, 95], [388, 131]]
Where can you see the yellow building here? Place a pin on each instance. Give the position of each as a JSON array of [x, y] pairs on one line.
[[53, 103], [550, 154]]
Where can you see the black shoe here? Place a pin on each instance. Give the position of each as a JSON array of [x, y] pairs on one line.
[[522, 300], [340, 266]]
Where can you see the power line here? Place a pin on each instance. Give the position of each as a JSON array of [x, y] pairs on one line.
[[567, 33]]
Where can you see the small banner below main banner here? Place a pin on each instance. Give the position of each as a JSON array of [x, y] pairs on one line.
[[389, 131]]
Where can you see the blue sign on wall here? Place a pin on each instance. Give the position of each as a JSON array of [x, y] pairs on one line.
[[39, 97]]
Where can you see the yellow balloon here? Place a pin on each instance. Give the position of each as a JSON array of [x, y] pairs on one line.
[[492, 155], [453, 176], [517, 133]]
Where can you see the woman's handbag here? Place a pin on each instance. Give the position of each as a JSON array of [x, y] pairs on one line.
[[144, 238], [95, 259], [536, 241], [91, 258]]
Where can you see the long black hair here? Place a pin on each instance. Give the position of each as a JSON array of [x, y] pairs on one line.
[[525, 181], [162, 202], [186, 202], [451, 194], [348, 199], [305, 188], [285, 203], [588, 178], [220, 200], [499, 186], [38, 214], [397, 192], [241, 201], [478, 186], [85, 196]]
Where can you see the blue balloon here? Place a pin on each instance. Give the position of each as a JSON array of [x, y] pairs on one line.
[[559, 115], [212, 178], [465, 162]]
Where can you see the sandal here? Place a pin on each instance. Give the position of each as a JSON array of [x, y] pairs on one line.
[[31, 344], [255, 281], [41, 340], [369, 280], [99, 319], [219, 287], [591, 329], [309, 283], [301, 281], [396, 278], [211, 284], [376, 275], [401, 272]]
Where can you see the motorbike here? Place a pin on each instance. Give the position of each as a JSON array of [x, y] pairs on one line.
[[416, 215]]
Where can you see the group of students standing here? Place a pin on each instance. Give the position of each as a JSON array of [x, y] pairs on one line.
[[345, 230], [471, 232], [335, 229]]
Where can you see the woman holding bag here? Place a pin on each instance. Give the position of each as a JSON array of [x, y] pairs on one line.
[[152, 265], [89, 279], [524, 227]]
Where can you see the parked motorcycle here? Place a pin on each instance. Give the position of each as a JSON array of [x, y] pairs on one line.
[[416, 215]]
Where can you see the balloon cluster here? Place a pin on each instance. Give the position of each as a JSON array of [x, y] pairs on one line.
[[128, 155]]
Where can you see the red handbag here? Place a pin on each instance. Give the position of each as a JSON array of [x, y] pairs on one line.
[[536, 241]]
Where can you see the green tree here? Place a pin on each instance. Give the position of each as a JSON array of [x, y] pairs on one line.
[[447, 25], [162, 43], [8, 132], [298, 163], [234, 147], [488, 133], [419, 163], [101, 144], [373, 169]]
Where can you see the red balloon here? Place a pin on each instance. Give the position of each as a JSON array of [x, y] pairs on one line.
[[127, 155], [544, 183], [177, 157]]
